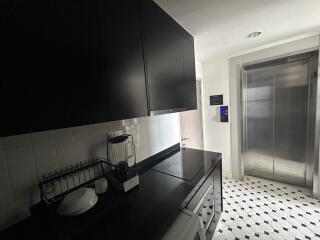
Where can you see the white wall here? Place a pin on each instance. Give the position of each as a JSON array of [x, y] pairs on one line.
[[199, 70], [216, 133], [24, 158]]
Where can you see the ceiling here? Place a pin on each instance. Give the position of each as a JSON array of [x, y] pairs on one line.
[[220, 27]]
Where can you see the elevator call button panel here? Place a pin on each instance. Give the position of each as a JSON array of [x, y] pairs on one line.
[[224, 115]]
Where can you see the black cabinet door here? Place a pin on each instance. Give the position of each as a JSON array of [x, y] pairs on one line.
[[163, 57], [123, 85], [22, 54], [66, 83], [70, 63], [189, 71], [51, 53]]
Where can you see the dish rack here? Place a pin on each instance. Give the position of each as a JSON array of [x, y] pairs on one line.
[[56, 185]]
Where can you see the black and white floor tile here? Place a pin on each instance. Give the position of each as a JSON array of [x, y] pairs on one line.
[[262, 209]]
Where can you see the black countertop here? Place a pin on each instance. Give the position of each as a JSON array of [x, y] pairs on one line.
[[145, 212]]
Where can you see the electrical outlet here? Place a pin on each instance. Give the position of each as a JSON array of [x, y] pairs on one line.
[[114, 134]]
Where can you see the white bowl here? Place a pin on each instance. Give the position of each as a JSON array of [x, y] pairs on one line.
[[101, 185], [77, 202]]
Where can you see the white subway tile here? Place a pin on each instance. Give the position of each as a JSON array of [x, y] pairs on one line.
[[81, 143], [136, 133], [143, 120], [6, 199], [45, 154], [17, 141], [64, 147], [21, 168], [98, 140], [155, 137], [127, 122], [113, 126]]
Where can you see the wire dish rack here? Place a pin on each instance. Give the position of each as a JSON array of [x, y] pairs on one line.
[[56, 185]]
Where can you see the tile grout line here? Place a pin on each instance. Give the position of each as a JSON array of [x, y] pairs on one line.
[[73, 146], [35, 168], [55, 147]]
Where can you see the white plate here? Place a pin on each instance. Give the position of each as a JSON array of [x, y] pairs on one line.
[[77, 202]]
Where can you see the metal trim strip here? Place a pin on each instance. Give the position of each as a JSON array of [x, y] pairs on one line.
[[166, 111]]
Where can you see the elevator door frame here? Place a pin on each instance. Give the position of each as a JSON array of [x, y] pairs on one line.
[[312, 149]]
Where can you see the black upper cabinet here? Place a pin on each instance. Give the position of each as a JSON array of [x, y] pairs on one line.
[[67, 63], [123, 78], [164, 58], [22, 50], [169, 59], [97, 64], [189, 71], [52, 63], [70, 63], [66, 84]]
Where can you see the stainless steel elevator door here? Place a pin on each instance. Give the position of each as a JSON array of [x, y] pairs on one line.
[[291, 123], [259, 124], [275, 100]]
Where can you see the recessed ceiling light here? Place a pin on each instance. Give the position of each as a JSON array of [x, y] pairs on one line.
[[254, 34]]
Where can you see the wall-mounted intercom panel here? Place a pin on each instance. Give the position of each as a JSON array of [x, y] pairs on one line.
[[216, 100]]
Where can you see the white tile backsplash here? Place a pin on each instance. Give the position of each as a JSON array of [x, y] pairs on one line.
[[20, 162], [44, 151], [81, 143], [97, 140], [24, 158], [6, 199], [64, 145]]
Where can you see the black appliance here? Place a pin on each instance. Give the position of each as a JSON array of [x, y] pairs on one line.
[[181, 165]]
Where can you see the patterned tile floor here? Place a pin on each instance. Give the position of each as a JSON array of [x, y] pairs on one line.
[[262, 209]]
